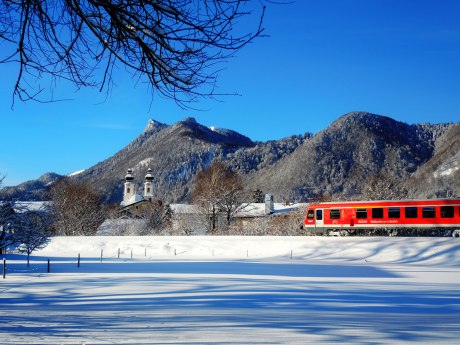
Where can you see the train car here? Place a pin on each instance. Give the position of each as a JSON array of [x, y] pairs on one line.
[[361, 217]]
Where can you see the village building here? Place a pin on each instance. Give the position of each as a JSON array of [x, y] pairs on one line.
[[135, 204], [189, 219]]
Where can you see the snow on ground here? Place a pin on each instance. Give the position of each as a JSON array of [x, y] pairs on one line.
[[234, 290]]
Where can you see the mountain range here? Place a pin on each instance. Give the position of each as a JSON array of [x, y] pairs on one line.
[[360, 155]]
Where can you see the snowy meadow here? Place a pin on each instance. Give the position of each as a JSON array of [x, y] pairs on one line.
[[234, 290]]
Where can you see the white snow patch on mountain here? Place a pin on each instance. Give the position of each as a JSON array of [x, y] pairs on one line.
[[448, 167], [144, 163], [151, 125], [75, 173]]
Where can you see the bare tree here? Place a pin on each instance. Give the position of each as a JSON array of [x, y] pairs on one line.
[[7, 215], [122, 227], [258, 196], [21, 226], [231, 197], [187, 224], [383, 187], [76, 208], [176, 46], [258, 226], [287, 224], [32, 231], [206, 193], [157, 218], [217, 190], [7, 224]]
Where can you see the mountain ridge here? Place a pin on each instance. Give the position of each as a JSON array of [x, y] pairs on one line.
[[335, 162]]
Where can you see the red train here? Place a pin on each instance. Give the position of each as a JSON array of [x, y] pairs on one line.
[[404, 216]]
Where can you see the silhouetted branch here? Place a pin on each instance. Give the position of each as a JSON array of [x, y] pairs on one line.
[[176, 46]]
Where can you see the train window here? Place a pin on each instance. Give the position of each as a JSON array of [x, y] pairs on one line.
[[377, 212], [411, 212], [394, 212], [361, 213], [310, 214], [335, 214], [319, 214], [447, 211], [428, 212]]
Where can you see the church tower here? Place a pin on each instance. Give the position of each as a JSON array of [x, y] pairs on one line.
[[148, 185], [129, 186]]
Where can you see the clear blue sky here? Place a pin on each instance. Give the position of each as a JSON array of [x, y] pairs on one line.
[[322, 60]]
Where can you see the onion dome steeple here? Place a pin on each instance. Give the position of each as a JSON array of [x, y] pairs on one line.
[[129, 175], [148, 185], [149, 176], [129, 189]]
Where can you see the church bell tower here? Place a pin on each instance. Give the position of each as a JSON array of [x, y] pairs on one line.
[[129, 186], [148, 185]]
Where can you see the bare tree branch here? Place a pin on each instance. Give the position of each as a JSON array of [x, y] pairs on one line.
[[175, 46], [76, 209]]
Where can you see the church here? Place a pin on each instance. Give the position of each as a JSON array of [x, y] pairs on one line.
[[134, 204]]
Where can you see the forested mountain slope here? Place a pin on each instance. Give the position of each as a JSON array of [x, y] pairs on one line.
[[356, 155]]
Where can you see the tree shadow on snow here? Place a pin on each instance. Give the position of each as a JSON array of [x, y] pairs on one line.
[[294, 269], [192, 304]]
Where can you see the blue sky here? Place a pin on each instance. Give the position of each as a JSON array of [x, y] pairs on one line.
[[321, 60]]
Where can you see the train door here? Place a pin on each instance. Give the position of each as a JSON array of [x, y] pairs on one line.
[[319, 218]]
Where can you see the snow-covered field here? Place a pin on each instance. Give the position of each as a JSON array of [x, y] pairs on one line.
[[234, 290]]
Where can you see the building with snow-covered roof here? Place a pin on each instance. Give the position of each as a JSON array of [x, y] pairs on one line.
[[134, 204]]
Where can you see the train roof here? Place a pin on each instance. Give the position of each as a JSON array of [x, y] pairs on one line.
[[409, 202]]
